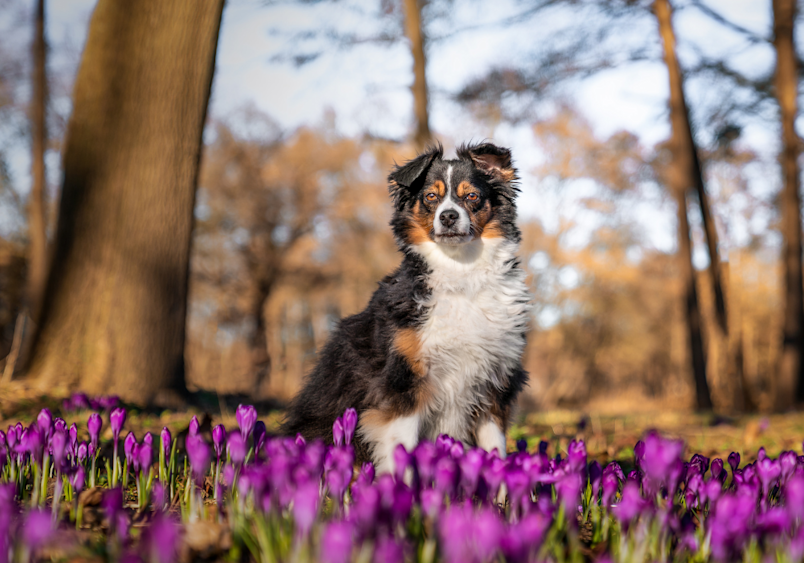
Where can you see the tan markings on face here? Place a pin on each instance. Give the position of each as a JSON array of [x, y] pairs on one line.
[[408, 345], [464, 188], [373, 419], [508, 174], [439, 188], [420, 224], [492, 230]]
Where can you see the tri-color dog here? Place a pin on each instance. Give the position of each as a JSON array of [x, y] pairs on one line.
[[439, 347]]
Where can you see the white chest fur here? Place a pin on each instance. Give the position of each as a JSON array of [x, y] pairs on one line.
[[473, 336]]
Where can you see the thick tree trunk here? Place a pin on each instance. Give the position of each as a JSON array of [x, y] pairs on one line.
[[37, 226], [682, 177], [113, 317], [789, 384], [415, 34]]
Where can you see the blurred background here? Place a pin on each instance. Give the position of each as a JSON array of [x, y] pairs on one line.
[[660, 202]]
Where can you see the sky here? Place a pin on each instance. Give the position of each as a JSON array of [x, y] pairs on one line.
[[366, 87]]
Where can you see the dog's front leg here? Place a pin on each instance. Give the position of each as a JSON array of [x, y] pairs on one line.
[[384, 434], [490, 436]]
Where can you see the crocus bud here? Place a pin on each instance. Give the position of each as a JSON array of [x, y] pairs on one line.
[[246, 416], [166, 439], [260, 434], [128, 446], [73, 436], [219, 439], [194, 425], [77, 479], [148, 439], [81, 452], [94, 425], [117, 419], [38, 526], [337, 432], [349, 425], [199, 453], [58, 445], [45, 422], [145, 457]]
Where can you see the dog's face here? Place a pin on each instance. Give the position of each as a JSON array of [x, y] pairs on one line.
[[454, 202]]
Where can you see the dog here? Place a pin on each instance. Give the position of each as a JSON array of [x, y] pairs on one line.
[[438, 349]]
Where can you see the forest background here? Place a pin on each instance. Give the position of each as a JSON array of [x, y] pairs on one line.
[[660, 203]]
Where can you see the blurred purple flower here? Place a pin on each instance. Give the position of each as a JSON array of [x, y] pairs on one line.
[[794, 497], [37, 528], [198, 452], [94, 426], [31, 442], [145, 457], [336, 542], [631, 505], [388, 550], [576, 455], [161, 539], [108, 402], [595, 477], [402, 460], [44, 422], [768, 471], [787, 462], [73, 432], [112, 503], [116, 420], [246, 416], [219, 440], [639, 453], [446, 476], [717, 470], [568, 491], [349, 425], [81, 452], [77, 479], [58, 446], [159, 495], [260, 435], [305, 507], [236, 447], [661, 455]]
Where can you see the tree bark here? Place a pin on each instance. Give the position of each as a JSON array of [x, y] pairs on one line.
[[113, 316], [790, 378], [415, 34], [37, 224], [683, 175]]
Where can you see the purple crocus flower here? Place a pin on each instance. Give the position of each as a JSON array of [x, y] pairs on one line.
[[73, 433], [576, 455], [734, 461], [488, 533], [194, 426], [45, 422], [595, 476], [116, 420], [159, 495], [768, 471], [788, 462], [717, 470], [77, 479], [145, 457], [148, 439], [81, 452], [219, 439], [166, 440], [199, 453], [260, 435], [236, 447], [794, 497], [94, 425], [31, 442], [349, 425], [337, 432], [246, 416], [60, 423], [129, 444], [336, 542], [58, 446], [660, 457]]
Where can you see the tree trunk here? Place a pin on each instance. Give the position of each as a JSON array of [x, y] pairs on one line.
[[37, 225], [113, 316], [415, 34], [788, 385], [682, 176]]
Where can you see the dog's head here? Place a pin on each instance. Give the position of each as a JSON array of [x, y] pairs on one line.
[[454, 202]]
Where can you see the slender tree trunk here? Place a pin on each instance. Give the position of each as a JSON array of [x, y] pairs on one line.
[[682, 177], [788, 385], [37, 224], [415, 34], [113, 316]]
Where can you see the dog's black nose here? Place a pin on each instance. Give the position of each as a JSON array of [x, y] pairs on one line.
[[448, 217]]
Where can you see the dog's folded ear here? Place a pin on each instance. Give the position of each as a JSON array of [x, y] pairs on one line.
[[407, 180], [491, 159]]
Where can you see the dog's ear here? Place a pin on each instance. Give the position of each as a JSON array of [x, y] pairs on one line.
[[407, 180], [490, 159]]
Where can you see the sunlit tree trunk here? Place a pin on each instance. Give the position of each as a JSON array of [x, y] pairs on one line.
[[113, 316], [788, 385], [682, 175], [415, 34]]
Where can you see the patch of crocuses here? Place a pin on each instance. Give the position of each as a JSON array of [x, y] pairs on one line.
[[259, 497]]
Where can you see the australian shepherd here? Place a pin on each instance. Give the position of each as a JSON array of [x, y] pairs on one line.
[[438, 350]]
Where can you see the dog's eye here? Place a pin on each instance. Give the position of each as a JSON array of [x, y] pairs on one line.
[[431, 197], [472, 196]]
